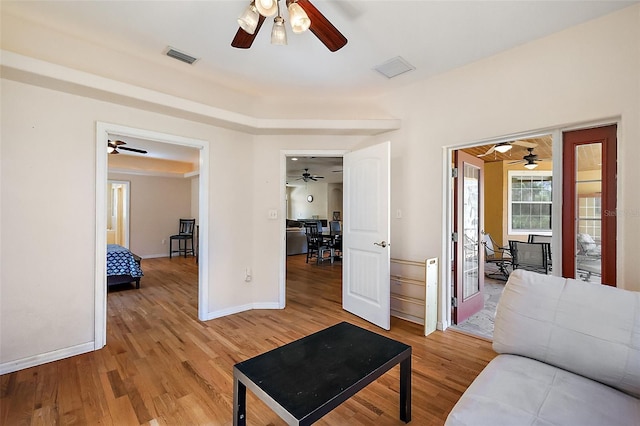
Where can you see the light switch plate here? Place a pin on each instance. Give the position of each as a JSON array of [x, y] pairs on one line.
[[273, 214]]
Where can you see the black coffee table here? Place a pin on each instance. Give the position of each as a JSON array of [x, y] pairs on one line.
[[305, 379]]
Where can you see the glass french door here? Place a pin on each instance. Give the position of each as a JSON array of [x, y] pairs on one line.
[[468, 224], [589, 209]]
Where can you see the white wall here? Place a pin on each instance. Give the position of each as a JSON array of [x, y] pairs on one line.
[[301, 208]]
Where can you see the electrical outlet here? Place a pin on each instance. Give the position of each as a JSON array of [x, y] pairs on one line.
[[164, 242]]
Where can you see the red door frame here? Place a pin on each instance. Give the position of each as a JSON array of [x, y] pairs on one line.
[[607, 136], [474, 303]]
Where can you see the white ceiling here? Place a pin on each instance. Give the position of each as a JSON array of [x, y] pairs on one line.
[[434, 36]]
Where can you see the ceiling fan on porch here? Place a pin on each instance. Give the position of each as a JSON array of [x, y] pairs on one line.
[[503, 147], [530, 160], [303, 16], [114, 146], [306, 176]]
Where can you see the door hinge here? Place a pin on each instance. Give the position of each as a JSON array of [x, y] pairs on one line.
[[454, 302], [454, 172], [454, 237]]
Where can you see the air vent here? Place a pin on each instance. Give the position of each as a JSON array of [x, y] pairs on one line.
[[181, 56], [394, 67]]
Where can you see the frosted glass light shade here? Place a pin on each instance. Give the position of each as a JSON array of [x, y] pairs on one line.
[[300, 21], [278, 33], [248, 21], [531, 166], [502, 148], [267, 7]]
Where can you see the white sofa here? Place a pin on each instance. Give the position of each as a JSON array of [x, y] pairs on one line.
[[569, 354]]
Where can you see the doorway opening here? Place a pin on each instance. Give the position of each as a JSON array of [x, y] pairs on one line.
[[118, 199], [312, 192], [103, 134]]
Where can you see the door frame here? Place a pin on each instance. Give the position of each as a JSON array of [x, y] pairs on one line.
[[103, 130], [588, 135], [475, 302], [282, 296]]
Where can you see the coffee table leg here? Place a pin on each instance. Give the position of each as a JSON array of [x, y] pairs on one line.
[[405, 390], [239, 403]]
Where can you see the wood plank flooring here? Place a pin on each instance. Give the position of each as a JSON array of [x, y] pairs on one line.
[[162, 366]]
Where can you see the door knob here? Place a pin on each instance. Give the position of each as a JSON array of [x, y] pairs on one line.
[[382, 244]]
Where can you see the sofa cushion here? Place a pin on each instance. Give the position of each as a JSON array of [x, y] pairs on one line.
[[589, 329], [514, 390]]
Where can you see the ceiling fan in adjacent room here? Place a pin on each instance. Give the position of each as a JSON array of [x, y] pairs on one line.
[[503, 147], [302, 16], [306, 176], [530, 160], [114, 146]]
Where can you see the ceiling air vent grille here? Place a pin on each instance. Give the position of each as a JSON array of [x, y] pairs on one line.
[[181, 56], [394, 67]]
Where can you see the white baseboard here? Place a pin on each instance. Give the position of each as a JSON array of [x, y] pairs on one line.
[[154, 256], [242, 308], [32, 361]]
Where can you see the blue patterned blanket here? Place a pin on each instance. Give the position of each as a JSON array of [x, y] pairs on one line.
[[120, 261]]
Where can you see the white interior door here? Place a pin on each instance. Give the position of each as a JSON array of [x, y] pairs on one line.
[[366, 253]]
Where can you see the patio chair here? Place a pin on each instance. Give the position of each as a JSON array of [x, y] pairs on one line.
[[536, 238], [498, 256], [588, 257], [530, 256]]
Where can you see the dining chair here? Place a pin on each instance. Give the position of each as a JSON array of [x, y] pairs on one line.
[[184, 235]]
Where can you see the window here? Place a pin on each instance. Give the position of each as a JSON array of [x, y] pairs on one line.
[[589, 216], [530, 202]]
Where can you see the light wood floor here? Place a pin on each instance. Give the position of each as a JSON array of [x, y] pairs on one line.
[[163, 366]]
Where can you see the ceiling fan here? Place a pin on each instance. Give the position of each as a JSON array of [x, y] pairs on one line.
[[114, 146], [302, 16], [306, 176], [530, 160], [503, 147]]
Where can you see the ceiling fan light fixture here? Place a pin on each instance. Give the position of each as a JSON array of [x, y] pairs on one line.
[[502, 148], [267, 7], [300, 21], [278, 33], [248, 21], [531, 165]]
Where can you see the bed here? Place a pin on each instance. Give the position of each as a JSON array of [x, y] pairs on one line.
[[122, 266]]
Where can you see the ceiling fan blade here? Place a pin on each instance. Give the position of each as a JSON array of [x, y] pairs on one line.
[[493, 148], [525, 144], [141, 151], [244, 40], [322, 28], [516, 162]]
